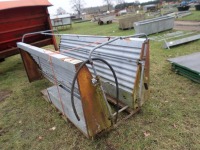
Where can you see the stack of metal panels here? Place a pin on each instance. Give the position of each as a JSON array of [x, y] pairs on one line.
[[188, 66]]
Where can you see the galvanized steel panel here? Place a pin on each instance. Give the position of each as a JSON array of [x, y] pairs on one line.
[[191, 61], [123, 55], [65, 97], [181, 41], [54, 65], [154, 25]]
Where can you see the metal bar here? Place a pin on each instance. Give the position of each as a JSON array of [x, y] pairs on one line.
[[181, 41], [39, 32], [119, 111]]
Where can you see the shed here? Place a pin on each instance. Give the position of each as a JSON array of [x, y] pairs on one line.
[[61, 20], [20, 17], [151, 7]]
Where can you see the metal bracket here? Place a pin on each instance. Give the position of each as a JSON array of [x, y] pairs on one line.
[[142, 63]]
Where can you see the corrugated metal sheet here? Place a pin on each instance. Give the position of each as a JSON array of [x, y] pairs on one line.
[[8, 4], [62, 68], [123, 55], [64, 72], [188, 65], [181, 41]]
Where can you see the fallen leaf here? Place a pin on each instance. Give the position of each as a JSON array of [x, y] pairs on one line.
[[146, 134], [40, 137], [174, 125], [52, 129]]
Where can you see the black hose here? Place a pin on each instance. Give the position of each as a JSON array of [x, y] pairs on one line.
[[75, 77]]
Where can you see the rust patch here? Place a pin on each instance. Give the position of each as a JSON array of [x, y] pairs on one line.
[[31, 67], [94, 107], [4, 94]]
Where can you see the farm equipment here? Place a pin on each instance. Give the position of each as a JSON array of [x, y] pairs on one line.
[[91, 72], [126, 22], [104, 19], [20, 17], [184, 6], [197, 6], [61, 20]]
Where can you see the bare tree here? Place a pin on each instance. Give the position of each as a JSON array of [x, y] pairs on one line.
[[77, 5], [60, 11], [120, 1], [109, 3]]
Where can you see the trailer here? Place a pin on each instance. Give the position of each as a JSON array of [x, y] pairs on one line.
[[105, 19], [61, 20], [20, 17], [127, 21]]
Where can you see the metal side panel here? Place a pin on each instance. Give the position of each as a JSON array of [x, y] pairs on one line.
[[122, 55], [95, 40], [154, 25], [59, 69], [66, 100], [186, 72], [59, 59], [181, 41], [192, 61]]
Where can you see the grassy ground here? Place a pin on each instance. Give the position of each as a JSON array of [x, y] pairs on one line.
[[170, 118], [193, 17]]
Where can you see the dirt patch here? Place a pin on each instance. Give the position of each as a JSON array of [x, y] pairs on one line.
[[187, 25], [2, 131], [4, 94]]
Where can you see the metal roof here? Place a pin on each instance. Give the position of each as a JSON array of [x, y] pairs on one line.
[[9, 4]]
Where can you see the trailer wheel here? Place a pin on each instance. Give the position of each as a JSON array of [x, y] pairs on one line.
[[108, 22], [101, 22]]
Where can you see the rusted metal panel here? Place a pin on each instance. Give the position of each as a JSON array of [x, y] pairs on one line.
[[22, 3], [94, 107], [15, 22], [31, 66], [15, 50]]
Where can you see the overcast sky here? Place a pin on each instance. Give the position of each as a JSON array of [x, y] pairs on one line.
[[65, 4]]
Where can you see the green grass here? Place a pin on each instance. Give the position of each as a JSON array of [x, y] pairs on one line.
[[171, 115], [195, 16]]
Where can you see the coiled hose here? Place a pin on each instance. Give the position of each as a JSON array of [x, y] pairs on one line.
[[76, 75]]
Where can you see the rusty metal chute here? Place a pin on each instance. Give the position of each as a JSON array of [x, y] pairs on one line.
[[95, 86]]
